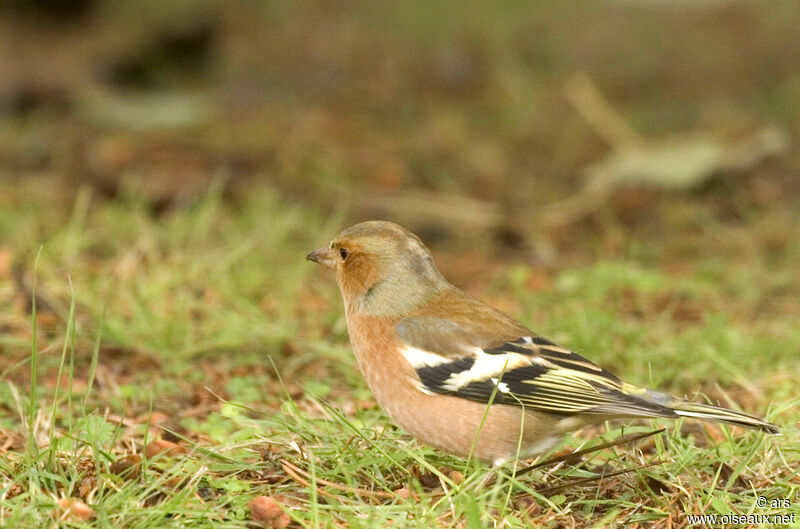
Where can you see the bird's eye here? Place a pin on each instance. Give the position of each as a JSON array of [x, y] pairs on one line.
[[343, 253]]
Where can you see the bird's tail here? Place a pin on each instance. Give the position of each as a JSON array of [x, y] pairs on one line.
[[707, 412]]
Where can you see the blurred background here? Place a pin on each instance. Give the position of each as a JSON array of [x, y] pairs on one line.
[[176, 160], [485, 122]]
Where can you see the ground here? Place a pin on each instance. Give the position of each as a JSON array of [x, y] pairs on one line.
[[167, 355]]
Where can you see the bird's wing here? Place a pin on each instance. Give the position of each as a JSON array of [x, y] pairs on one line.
[[527, 371]]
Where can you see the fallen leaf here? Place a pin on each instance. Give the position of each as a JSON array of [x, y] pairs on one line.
[[456, 476], [161, 446], [268, 512], [403, 493], [76, 509], [86, 486], [127, 466], [427, 479]]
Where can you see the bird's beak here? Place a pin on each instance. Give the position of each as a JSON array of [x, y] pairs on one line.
[[323, 256]]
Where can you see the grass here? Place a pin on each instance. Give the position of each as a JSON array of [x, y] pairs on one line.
[[153, 288], [204, 327]]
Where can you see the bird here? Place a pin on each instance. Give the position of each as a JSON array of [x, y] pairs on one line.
[[464, 377]]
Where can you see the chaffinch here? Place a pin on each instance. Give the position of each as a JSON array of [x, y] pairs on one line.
[[464, 377]]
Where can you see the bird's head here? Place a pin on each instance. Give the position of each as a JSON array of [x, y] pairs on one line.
[[382, 268]]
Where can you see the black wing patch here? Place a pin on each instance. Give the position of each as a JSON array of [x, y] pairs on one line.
[[434, 377], [554, 380]]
